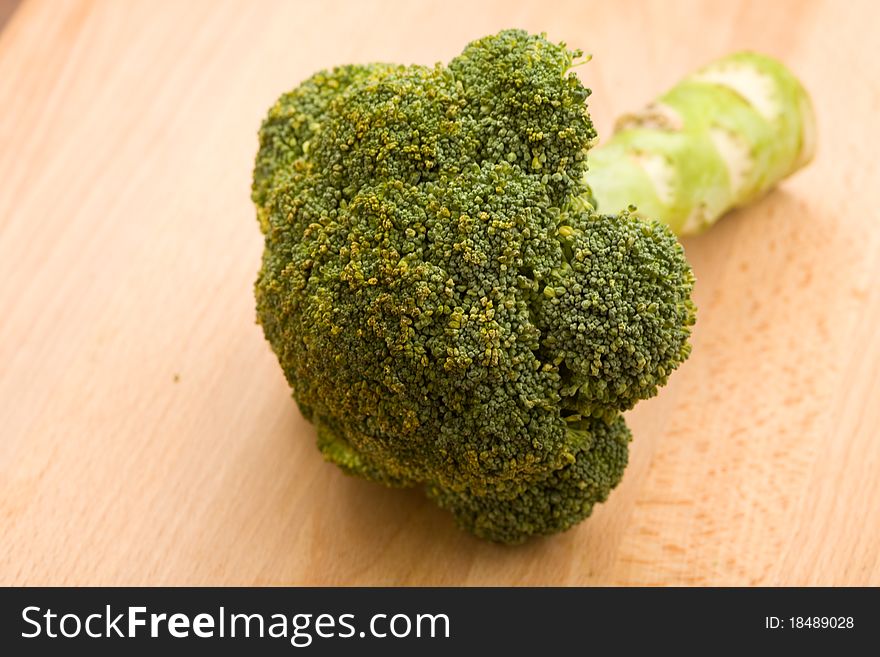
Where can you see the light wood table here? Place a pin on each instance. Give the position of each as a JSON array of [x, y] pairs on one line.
[[148, 436]]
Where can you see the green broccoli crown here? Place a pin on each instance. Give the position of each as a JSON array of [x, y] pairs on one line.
[[445, 308]]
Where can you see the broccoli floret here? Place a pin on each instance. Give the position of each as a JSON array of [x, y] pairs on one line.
[[614, 316], [595, 459], [446, 307]]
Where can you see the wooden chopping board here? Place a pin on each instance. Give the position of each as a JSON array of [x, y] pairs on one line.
[[147, 435]]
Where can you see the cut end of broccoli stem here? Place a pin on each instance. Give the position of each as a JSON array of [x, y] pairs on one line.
[[719, 139]]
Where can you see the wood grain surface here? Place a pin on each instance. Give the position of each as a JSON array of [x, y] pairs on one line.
[[148, 436], [7, 8]]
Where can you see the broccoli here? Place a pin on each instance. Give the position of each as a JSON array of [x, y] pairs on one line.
[[448, 306]]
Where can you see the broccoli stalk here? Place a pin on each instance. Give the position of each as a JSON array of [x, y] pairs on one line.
[[720, 138]]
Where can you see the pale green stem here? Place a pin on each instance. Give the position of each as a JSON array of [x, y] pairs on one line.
[[720, 138]]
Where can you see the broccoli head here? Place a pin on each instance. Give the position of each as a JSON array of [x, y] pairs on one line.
[[448, 308]]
